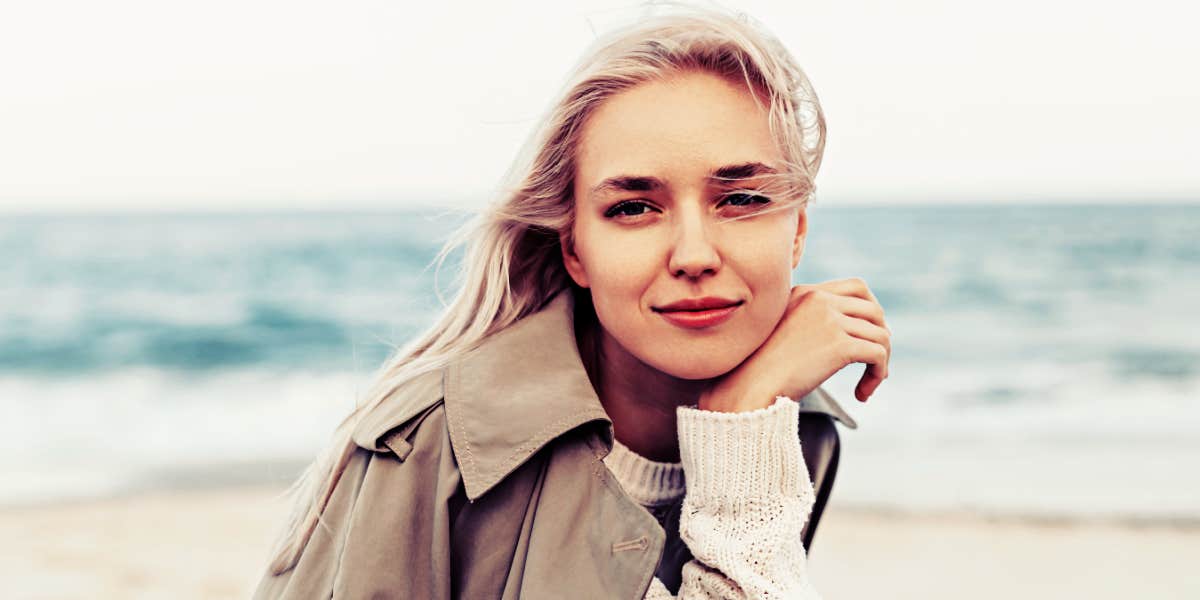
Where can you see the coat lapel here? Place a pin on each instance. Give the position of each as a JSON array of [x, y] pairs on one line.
[[524, 387]]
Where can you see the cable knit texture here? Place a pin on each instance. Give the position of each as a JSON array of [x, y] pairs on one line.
[[747, 496]]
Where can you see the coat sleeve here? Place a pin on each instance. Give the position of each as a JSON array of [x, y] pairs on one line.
[[748, 497], [385, 532]]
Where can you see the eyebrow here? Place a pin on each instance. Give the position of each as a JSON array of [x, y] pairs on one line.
[[641, 183]]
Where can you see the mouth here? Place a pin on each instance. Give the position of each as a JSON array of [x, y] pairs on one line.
[[698, 315], [697, 304]]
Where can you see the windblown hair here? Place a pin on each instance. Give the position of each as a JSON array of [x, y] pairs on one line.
[[512, 264]]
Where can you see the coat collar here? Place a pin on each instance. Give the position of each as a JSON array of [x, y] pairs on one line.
[[523, 387]]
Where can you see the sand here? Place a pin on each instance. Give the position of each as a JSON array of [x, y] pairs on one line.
[[212, 544]]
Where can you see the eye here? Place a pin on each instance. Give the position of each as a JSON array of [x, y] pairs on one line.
[[628, 208], [745, 199]]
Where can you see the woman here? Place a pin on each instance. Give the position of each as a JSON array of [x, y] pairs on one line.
[[625, 335]]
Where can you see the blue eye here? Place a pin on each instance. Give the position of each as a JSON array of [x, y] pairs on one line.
[[629, 208], [745, 199]]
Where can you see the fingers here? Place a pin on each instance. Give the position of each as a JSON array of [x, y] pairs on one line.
[[874, 354], [850, 296], [868, 337], [874, 334], [863, 309], [851, 286], [866, 387]]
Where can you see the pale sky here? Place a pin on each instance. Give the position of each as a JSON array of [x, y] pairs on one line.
[[263, 104]]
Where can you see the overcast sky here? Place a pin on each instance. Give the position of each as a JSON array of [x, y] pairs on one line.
[[327, 105]]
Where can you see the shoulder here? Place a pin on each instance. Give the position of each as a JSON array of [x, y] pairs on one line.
[[397, 475], [401, 411]]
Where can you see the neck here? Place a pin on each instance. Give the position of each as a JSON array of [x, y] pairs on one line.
[[640, 399]]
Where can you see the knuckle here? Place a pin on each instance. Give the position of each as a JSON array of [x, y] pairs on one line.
[[807, 297], [833, 316]]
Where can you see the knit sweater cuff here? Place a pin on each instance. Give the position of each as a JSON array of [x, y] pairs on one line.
[[743, 455]]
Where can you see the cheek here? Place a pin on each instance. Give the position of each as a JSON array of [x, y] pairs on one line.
[[619, 268], [764, 261], [766, 268], [618, 289]]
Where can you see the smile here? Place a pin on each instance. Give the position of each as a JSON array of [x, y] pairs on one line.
[[699, 319]]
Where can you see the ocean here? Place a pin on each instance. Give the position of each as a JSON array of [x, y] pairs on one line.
[[1046, 358]]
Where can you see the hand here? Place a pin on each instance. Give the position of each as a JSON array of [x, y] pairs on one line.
[[826, 326]]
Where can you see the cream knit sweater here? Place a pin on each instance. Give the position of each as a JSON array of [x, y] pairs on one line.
[[746, 498]]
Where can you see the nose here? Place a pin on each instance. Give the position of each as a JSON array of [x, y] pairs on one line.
[[693, 252]]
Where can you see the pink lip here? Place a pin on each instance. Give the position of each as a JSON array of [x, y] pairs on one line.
[[705, 303], [699, 319]]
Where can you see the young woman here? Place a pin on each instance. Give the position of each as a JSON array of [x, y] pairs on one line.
[[625, 338]]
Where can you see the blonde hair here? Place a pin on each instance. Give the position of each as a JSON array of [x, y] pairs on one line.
[[512, 264]]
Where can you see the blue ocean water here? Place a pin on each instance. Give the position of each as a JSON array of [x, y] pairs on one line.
[[1046, 359]]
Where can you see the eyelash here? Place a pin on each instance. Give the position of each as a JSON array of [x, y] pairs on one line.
[[614, 211]]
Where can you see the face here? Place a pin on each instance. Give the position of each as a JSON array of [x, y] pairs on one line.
[[651, 224]]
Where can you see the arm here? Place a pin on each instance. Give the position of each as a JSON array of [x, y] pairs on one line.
[[748, 498]]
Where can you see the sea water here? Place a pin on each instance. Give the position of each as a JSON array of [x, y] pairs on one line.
[[1046, 358]]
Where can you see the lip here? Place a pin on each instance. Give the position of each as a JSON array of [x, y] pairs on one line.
[[710, 312], [705, 303]]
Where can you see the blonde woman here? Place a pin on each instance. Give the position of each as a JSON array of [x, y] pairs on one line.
[[625, 341]]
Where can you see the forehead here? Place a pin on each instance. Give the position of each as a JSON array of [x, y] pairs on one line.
[[677, 129]]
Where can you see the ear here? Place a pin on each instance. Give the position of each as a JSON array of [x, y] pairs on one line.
[[571, 261], [801, 234]]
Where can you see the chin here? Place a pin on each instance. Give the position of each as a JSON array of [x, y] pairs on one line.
[[706, 368]]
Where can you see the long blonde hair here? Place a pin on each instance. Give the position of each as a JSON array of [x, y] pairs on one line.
[[512, 263]]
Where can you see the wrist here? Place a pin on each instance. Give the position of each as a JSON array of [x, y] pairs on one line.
[[748, 455], [731, 400]]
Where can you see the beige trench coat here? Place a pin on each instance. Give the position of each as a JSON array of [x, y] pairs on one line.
[[485, 480]]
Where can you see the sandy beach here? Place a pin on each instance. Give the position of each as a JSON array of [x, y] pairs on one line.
[[211, 544]]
